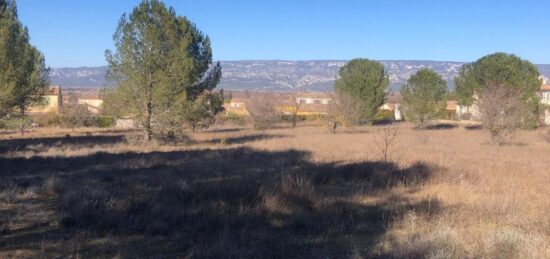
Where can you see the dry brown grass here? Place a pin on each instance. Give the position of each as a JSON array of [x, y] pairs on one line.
[[283, 192]]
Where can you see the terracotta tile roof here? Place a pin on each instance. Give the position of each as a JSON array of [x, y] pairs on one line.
[[545, 87]]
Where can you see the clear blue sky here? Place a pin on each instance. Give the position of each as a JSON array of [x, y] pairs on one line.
[[76, 33]]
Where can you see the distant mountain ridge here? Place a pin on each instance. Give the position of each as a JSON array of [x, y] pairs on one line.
[[278, 75]]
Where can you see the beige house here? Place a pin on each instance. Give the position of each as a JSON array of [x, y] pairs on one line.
[[94, 104], [236, 106], [393, 103], [51, 102], [471, 112]]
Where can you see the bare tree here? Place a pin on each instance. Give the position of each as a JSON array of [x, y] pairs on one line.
[[263, 112], [344, 111], [385, 140], [74, 115], [503, 111], [294, 109]]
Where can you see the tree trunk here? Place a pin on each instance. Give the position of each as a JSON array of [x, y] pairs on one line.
[[22, 126], [147, 122], [294, 118]]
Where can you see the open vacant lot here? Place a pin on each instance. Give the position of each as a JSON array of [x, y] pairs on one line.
[[285, 192]]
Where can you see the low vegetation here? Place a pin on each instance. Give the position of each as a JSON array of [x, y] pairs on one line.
[[231, 191]]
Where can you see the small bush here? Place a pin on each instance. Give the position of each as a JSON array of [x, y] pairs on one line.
[[288, 117], [10, 123], [384, 115], [233, 118], [48, 119], [104, 121]]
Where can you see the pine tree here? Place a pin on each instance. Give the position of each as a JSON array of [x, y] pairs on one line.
[[424, 96], [161, 62], [365, 80], [506, 90], [23, 73]]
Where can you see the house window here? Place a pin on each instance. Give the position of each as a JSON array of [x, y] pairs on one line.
[[301, 101], [317, 101]]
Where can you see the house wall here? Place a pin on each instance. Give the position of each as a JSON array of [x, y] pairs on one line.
[[308, 100], [545, 97], [398, 112], [49, 103], [547, 117], [93, 102], [469, 112], [94, 105], [235, 108]]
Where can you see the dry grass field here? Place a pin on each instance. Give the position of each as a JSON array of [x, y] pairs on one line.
[[299, 192]]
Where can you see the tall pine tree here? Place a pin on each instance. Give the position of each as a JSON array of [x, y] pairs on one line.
[[161, 62], [23, 73]]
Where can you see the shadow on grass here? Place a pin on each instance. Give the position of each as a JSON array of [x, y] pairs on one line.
[[240, 139], [223, 130], [473, 127], [207, 203], [38, 144], [441, 126]]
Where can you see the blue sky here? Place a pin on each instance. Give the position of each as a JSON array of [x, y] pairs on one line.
[[76, 33]]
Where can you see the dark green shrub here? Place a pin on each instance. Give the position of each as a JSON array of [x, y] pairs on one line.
[[384, 115], [104, 121]]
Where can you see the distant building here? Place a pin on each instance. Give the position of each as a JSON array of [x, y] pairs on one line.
[[468, 112], [471, 112], [236, 106], [544, 95], [93, 103], [393, 103], [51, 101], [314, 98]]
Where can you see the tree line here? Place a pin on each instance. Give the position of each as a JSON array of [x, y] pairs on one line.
[[503, 86]]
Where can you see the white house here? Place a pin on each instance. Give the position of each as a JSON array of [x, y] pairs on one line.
[[314, 98]]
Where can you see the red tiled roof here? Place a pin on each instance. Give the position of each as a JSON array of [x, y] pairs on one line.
[[545, 87]]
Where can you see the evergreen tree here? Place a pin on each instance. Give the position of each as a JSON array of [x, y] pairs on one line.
[[365, 80], [505, 87], [201, 112], [424, 96], [161, 62], [23, 73], [506, 70]]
